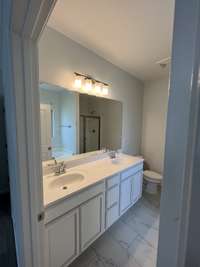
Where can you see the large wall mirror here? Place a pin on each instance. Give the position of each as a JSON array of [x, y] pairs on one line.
[[73, 123]]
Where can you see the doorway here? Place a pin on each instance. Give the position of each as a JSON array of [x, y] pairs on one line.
[[25, 161], [89, 133]]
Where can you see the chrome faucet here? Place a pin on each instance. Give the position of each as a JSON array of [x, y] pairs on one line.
[[59, 168], [112, 154]]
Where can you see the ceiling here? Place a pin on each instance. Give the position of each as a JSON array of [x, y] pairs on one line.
[[132, 34]]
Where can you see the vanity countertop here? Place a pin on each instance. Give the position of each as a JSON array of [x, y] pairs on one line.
[[93, 172]]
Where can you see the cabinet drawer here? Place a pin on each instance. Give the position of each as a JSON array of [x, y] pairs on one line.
[[72, 202], [112, 215], [131, 171], [112, 196], [114, 180]]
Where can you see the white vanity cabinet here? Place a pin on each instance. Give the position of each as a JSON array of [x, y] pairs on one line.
[[112, 199], [130, 187], [125, 194], [72, 224], [62, 240], [91, 220], [137, 181]]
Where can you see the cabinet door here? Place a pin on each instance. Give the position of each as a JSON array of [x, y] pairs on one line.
[[62, 240], [125, 194], [112, 214], [140, 183], [91, 219], [137, 181], [112, 196]]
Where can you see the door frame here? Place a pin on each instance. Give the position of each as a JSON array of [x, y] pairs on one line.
[[22, 24], [84, 130], [181, 147]]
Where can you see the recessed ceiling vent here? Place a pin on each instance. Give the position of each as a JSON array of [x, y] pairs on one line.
[[164, 62]]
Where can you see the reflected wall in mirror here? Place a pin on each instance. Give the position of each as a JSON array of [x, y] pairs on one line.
[[100, 123], [58, 109], [73, 123]]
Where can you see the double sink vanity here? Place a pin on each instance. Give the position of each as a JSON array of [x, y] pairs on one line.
[[85, 201], [89, 188]]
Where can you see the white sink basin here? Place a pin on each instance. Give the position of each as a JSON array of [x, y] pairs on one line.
[[67, 180]]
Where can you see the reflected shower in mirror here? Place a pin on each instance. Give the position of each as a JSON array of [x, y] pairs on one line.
[[100, 123], [73, 123]]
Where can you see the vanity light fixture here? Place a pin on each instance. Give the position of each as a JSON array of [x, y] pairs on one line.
[[90, 85]]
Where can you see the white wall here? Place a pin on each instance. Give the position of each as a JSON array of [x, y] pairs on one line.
[[68, 121], [59, 57], [155, 102]]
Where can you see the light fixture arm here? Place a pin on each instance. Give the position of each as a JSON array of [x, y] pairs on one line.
[[90, 78]]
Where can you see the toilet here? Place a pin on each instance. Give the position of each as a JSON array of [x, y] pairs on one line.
[[153, 180]]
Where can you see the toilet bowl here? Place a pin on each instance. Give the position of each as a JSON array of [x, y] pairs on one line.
[[153, 180]]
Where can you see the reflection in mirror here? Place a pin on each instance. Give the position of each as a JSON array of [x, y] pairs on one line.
[[58, 122], [73, 123], [100, 123]]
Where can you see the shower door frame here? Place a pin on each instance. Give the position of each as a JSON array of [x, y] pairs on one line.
[[84, 131]]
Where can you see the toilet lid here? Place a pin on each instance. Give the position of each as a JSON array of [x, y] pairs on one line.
[[153, 175]]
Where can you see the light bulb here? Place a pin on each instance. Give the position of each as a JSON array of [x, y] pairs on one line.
[[78, 82], [105, 90], [97, 88], [88, 85]]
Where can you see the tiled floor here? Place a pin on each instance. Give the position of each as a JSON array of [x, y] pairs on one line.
[[130, 242]]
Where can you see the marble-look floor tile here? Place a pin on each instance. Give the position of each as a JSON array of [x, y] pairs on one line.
[[143, 218], [147, 217], [122, 233], [110, 252], [93, 262], [130, 242], [152, 199], [85, 259], [142, 253], [147, 232]]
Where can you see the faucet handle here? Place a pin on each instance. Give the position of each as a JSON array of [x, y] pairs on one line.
[[62, 166], [59, 168], [55, 161], [53, 164], [112, 154], [105, 150], [56, 169]]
